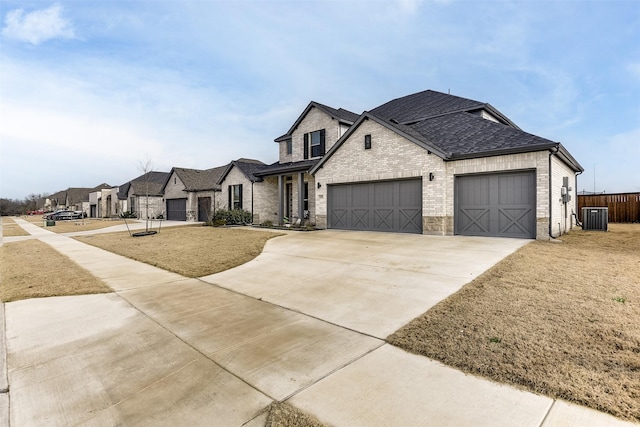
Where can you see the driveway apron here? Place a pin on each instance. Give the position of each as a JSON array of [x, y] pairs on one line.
[[369, 282]]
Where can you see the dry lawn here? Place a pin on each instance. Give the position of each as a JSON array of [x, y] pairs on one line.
[[32, 269], [81, 225], [190, 251], [10, 228], [559, 319], [285, 415]]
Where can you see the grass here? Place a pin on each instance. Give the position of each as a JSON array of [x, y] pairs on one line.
[[559, 319], [10, 228], [285, 415], [32, 269], [190, 251], [86, 224]]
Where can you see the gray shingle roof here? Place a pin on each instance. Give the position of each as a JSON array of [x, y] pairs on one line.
[[340, 114], [423, 104], [278, 168], [452, 128], [247, 166], [200, 180], [464, 134], [155, 180]]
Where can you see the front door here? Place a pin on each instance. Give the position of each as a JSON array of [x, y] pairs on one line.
[[204, 209]]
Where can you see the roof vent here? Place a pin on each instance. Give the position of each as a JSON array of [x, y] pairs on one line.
[[595, 218]]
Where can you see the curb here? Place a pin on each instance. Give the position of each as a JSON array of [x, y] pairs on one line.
[[4, 383]]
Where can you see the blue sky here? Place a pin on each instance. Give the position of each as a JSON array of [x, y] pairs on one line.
[[90, 89]]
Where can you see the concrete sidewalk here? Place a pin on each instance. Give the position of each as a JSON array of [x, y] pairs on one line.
[[168, 350]]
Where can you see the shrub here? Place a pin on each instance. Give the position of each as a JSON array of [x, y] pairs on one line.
[[232, 217], [267, 223]]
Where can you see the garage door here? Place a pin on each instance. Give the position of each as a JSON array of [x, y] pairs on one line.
[[177, 209], [376, 206], [502, 205]]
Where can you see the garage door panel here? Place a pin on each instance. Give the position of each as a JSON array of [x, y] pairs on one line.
[[410, 220], [383, 219], [376, 206], [496, 205], [360, 218], [177, 209]]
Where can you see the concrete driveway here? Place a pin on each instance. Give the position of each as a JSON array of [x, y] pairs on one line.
[[302, 323], [369, 282]]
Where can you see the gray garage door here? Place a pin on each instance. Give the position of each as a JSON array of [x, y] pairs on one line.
[[501, 205], [177, 209], [376, 206]]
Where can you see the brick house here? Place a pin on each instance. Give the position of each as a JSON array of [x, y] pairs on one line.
[[242, 189], [439, 164], [289, 190], [192, 194], [143, 195]]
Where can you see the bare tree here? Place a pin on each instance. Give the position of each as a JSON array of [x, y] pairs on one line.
[[146, 167]]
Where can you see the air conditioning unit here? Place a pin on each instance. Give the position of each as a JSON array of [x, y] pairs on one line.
[[595, 219]]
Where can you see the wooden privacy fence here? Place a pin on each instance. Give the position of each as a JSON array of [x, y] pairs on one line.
[[623, 207]]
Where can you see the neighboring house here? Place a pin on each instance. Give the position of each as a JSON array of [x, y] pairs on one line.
[[143, 195], [103, 203], [243, 189], [73, 198], [192, 194], [439, 164], [315, 131]]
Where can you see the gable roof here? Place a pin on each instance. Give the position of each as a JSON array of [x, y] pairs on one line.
[[453, 135], [249, 168], [138, 185], [422, 105], [340, 114], [197, 179], [75, 195]]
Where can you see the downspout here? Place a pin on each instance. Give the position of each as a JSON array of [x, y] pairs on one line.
[[552, 151], [575, 213]]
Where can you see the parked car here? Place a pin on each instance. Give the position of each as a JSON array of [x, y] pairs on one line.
[[69, 215], [64, 215], [49, 215]]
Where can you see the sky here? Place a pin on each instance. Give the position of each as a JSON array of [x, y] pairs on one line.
[[92, 90]]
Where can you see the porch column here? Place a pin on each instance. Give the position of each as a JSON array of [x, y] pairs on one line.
[[301, 197], [280, 199]]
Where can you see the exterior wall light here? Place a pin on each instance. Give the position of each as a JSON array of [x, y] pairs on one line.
[[431, 176], [319, 185]]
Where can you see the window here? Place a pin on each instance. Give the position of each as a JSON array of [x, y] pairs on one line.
[[314, 144], [132, 202], [306, 196], [367, 142], [235, 196], [289, 146]]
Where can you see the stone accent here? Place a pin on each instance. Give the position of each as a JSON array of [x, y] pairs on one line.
[[437, 225]]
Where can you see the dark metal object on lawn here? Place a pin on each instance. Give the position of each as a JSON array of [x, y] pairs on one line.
[[144, 233]]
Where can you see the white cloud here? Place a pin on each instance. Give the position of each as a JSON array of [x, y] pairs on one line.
[[38, 26]]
